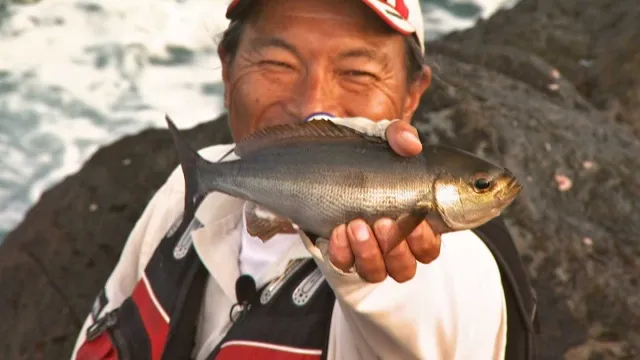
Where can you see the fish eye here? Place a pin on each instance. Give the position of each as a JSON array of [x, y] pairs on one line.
[[482, 184]]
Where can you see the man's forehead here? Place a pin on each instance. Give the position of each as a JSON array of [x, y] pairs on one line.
[[342, 44], [306, 13], [359, 50], [338, 11]]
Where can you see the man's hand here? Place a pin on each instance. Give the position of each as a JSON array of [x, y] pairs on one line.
[[358, 244]]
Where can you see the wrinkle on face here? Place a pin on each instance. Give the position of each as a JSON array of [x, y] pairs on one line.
[[323, 16]]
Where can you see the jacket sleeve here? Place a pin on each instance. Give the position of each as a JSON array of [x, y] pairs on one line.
[[454, 307], [158, 215]]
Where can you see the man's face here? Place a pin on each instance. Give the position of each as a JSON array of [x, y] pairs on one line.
[[301, 57]]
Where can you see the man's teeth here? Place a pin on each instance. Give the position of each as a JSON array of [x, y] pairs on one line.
[[321, 117]]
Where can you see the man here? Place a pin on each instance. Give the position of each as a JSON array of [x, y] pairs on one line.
[[236, 297]]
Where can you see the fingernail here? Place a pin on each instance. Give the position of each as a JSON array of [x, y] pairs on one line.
[[360, 231], [339, 240], [384, 225], [411, 137]]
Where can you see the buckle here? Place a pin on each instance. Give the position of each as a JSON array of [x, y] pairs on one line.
[[97, 328]]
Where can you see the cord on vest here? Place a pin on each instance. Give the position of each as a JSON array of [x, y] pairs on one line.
[[246, 294]]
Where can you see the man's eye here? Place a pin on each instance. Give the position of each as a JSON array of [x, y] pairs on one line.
[[276, 63], [359, 73]]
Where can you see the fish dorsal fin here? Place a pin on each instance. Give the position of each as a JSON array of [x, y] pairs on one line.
[[315, 130]]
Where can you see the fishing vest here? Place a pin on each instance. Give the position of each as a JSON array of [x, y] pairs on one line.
[[289, 318]]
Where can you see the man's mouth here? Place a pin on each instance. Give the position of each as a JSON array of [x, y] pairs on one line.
[[319, 116]]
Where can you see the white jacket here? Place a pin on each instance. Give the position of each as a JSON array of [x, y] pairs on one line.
[[454, 308]]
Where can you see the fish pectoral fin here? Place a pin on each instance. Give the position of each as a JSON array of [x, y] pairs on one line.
[[265, 224], [405, 225]]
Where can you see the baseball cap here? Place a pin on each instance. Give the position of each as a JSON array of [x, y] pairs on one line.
[[404, 16]]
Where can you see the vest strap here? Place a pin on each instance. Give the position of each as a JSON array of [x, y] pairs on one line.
[[182, 331], [522, 319]]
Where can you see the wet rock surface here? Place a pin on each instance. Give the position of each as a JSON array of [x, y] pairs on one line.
[[549, 89]]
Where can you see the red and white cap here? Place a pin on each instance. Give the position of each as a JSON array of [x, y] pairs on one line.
[[404, 16]]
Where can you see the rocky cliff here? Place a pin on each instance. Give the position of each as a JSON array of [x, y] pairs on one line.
[[550, 89]]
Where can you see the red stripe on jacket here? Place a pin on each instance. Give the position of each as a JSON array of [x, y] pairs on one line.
[[251, 350], [154, 323]]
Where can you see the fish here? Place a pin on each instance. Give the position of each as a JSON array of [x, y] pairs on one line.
[[314, 176]]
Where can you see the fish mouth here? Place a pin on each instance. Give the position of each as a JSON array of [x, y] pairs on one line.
[[319, 116], [512, 189]]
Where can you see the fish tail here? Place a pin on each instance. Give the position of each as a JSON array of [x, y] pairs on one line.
[[191, 163]]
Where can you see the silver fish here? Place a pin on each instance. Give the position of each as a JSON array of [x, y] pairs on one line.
[[317, 175]]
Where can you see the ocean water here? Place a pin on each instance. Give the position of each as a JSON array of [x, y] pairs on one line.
[[79, 74]]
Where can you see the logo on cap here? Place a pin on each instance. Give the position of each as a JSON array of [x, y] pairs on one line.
[[398, 6]]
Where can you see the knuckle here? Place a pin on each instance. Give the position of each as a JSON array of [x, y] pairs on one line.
[[404, 273], [425, 248], [340, 258], [422, 249], [368, 255], [336, 256], [399, 254], [401, 277], [371, 273], [401, 264], [374, 276], [429, 255]]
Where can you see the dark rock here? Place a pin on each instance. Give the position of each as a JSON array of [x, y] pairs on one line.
[[593, 44], [495, 92]]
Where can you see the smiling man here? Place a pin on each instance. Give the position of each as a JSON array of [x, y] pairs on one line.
[[212, 291]]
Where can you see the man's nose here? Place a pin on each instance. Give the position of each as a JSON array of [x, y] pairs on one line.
[[315, 93]]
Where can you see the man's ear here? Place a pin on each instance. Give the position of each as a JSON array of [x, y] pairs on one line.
[[225, 64], [416, 90]]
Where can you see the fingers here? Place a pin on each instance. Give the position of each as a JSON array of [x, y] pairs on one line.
[[403, 138], [369, 250], [340, 253], [424, 244], [368, 258], [400, 263]]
